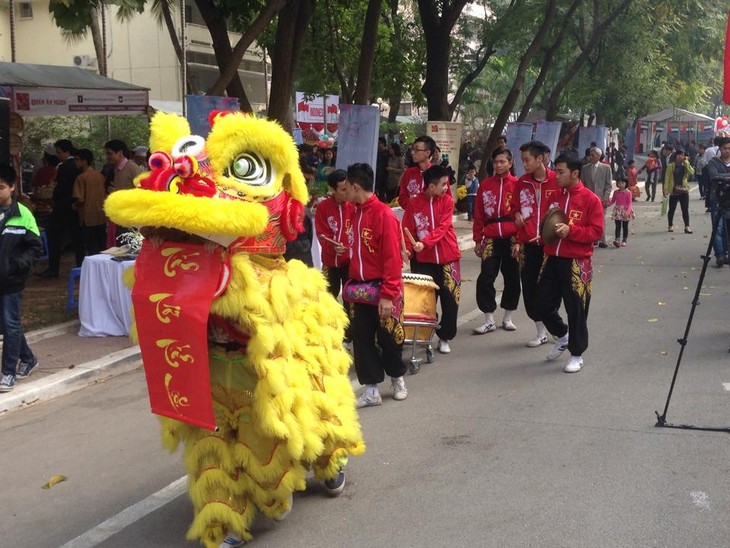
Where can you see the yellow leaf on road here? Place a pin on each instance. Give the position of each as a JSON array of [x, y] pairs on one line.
[[58, 478], [653, 320]]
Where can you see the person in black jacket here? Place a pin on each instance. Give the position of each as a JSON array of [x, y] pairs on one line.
[[64, 220], [20, 244]]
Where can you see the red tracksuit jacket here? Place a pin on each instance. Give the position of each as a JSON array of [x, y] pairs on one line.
[[332, 220], [430, 221], [493, 202], [585, 217], [375, 246], [411, 185], [533, 199]]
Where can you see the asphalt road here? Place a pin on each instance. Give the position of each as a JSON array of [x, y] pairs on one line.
[[494, 446]]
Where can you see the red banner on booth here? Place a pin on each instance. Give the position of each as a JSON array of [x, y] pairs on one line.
[[174, 287]]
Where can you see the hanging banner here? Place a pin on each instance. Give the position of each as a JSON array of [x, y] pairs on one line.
[[548, 133], [175, 286], [358, 136], [199, 108], [78, 102], [315, 114], [448, 138], [517, 135], [631, 143]]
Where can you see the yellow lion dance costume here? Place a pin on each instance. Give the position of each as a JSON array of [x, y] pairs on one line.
[[282, 398]]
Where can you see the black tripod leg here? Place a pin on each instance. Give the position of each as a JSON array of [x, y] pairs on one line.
[[662, 419]]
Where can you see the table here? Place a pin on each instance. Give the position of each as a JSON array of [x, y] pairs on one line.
[[105, 303]]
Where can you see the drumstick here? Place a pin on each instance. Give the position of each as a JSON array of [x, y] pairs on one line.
[[330, 240], [410, 236]]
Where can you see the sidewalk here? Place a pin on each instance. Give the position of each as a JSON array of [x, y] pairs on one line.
[[67, 362]]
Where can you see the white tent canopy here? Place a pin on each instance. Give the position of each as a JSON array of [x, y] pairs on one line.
[[47, 90], [675, 115]]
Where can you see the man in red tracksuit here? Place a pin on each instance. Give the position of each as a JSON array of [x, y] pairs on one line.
[[375, 256], [411, 182], [567, 272], [494, 233], [429, 221], [534, 192], [331, 221]]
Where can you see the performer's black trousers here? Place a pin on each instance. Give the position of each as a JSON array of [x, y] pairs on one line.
[[449, 293], [497, 257], [564, 280], [531, 263], [373, 361], [336, 278]]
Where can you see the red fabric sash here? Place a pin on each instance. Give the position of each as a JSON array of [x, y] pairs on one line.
[[174, 287]]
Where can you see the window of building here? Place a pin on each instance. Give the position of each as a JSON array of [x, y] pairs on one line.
[[26, 10]]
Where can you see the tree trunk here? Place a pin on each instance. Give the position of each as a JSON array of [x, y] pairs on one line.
[[437, 31], [553, 103], [367, 53], [218, 29], [290, 32], [519, 83], [170, 25], [98, 41], [256, 28]]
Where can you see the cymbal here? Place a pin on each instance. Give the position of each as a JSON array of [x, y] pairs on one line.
[[547, 226]]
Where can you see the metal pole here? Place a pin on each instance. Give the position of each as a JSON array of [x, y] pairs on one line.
[[11, 10], [183, 44]]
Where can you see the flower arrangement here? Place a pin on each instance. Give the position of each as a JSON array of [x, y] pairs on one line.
[[461, 192], [132, 239]]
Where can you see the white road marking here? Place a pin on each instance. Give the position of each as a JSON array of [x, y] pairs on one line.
[[127, 517], [700, 499]]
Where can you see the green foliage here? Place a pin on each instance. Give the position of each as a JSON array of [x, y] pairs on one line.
[[84, 131]]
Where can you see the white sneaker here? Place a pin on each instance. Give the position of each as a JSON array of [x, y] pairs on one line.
[[369, 400], [574, 365], [485, 328], [537, 341], [561, 345], [444, 347], [232, 541], [507, 325], [398, 386]]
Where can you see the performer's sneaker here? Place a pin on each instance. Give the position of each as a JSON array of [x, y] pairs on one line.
[[444, 347], [487, 327], [336, 485], [561, 345], [574, 365], [507, 325], [537, 341], [7, 383], [232, 541], [25, 369], [369, 400], [398, 386]]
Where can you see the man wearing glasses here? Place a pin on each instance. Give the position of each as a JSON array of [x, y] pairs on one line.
[[411, 182]]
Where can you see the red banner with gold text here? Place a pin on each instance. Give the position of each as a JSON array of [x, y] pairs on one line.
[[174, 286]]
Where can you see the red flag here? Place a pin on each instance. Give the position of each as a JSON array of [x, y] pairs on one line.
[[175, 285], [726, 94]]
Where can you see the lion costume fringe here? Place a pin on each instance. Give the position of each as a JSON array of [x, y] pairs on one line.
[[282, 398]]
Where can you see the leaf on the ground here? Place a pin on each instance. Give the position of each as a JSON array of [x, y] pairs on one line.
[[623, 291], [663, 352], [705, 294], [636, 285], [58, 478], [660, 303], [685, 287], [653, 320]]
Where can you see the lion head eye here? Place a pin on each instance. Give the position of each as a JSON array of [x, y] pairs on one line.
[[251, 169]]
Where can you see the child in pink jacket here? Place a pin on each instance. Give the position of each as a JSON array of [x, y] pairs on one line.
[[623, 212]]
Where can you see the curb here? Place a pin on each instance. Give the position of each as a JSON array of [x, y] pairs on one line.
[[49, 332], [71, 380]]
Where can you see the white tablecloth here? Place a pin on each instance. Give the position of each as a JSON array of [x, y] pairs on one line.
[[104, 301]]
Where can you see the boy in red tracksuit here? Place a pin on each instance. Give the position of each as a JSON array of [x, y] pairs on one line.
[[494, 233], [567, 272], [429, 221], [411, 182], [534, 192], [375, 258], [331, 222]]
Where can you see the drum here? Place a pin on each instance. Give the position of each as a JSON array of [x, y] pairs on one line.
[[419, 304]]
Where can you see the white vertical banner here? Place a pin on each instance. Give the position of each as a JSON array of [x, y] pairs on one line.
[[517, 135], [548, 133], [586, 136], [448, 138], [358, 135]]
